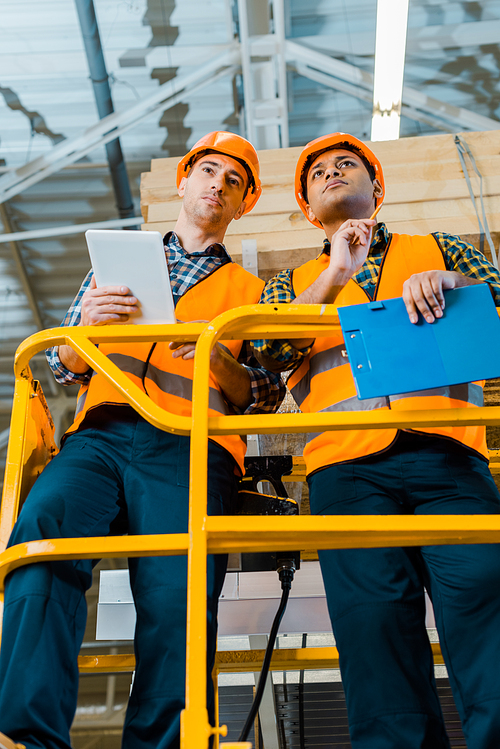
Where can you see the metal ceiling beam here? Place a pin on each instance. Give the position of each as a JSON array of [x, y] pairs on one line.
[[458, 117], [109, 128], [64, 231], [425, 41], [104, 101], [22, 273], [364, 94]]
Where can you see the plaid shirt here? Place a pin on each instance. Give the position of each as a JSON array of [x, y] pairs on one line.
[[458, 256], [186, 269]]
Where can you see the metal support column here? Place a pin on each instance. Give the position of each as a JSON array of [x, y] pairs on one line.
[[263, 64], [279, 30], [245, 69], [102, 92]]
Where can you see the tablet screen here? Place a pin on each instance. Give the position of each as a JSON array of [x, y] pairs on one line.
[[135, 259]]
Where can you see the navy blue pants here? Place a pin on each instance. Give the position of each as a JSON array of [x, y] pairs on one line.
[[126, 475], [376, 598]]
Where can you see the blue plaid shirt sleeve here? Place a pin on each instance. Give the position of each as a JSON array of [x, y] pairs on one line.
[[268, 389], [464, 258], [279, 290], [72, 317]]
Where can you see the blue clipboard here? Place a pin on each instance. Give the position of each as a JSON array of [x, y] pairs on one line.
[[390, 355]]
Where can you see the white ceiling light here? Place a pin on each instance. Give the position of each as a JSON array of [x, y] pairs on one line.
[[390, 46]]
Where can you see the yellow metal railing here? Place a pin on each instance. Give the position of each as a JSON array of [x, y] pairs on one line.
[[216, 534]]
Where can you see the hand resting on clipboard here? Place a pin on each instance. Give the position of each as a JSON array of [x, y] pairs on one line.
[[390, 355]]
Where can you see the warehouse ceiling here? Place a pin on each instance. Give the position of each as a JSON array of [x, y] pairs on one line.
[[175, 71]]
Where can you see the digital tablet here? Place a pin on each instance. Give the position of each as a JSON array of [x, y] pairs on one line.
[[135, 259]]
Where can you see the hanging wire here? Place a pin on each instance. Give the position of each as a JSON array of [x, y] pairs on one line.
[[113, 79], [286, 573], [464, 154], [301, 700], [30, 142]]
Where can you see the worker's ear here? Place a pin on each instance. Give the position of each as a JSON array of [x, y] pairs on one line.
[[241, 210], [182, 187], [310, 213], [377, 189]]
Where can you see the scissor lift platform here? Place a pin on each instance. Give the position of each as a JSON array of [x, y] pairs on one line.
[[31, 445]]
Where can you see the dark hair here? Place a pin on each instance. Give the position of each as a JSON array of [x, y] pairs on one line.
[[346, 146]]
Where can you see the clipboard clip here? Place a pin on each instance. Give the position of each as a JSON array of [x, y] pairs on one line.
[[375, 305], [358, 357]]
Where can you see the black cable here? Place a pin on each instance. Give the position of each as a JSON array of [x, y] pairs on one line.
[[301, 701], [286, 572]]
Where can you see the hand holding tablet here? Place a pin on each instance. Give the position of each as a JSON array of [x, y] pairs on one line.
[[135, 260]]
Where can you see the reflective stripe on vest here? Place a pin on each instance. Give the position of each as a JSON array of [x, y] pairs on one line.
[[169, 381], [351, 404], [468, 392], [324, 382], [80, 403], [320, 362]]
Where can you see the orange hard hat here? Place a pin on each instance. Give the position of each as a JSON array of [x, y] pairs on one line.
[[326, 143], [231, 145]]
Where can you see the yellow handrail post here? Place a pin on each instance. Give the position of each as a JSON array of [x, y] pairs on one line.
[[13, 466], [195, 726]]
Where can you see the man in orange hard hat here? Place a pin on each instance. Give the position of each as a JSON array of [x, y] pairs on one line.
[[376, 596], [116, 473]]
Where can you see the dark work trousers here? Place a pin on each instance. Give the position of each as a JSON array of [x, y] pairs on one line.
[[126, 475], [376, 598]]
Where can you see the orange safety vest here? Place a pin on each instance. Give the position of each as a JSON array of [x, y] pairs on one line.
[[324, 381], [169, 381]]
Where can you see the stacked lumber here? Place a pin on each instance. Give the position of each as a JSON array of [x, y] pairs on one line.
[[426, 191]]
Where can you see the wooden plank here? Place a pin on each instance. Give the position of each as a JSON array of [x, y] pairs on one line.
[[402, 197], [414, 150], [275, 230], [410, 151], [449, 189], [437, 209], [404, 150], [423, 180], [310, 237], [287, 215], [407, 187], [271, 203], [159, 179], [460, 226]]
